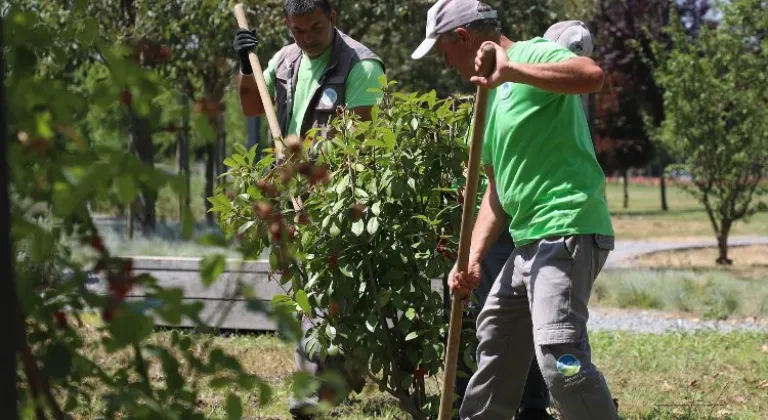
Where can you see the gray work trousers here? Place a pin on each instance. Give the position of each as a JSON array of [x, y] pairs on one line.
[[537, 308]]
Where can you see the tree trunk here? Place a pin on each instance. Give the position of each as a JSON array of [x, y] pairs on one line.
[[626, 188], [183, 155], [9, 406], [146, 152], [221, 149], [663, 185], [210, 156], [722, 243]]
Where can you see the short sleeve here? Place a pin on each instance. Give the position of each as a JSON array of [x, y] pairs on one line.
[[540, 50], [270, 72], [362, 79]]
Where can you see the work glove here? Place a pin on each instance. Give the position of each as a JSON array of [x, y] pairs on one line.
[[245, 41]]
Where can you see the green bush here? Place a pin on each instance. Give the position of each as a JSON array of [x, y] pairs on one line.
[[380, 221]]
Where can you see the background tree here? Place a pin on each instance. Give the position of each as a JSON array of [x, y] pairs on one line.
[[716, 119], [625, 31]]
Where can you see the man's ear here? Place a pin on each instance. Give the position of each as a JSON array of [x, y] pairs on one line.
[[333, 17], [464, 36]]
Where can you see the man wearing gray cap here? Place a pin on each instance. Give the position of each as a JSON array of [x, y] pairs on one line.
[[546, 187]]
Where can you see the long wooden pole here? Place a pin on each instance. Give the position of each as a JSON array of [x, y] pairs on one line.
[[258, 75], [465, 236]]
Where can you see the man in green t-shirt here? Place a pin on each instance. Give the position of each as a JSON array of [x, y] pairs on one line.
[[322, 70], [546, 188]]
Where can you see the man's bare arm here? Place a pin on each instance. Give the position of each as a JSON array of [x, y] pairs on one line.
[[250, 99], [491, 221], [578, 75], [574, 76]]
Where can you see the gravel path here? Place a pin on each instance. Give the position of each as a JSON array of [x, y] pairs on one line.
[[626, 250], [645, 321]]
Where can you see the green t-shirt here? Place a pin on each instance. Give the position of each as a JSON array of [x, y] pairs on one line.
[[362, 76], [539, 145]]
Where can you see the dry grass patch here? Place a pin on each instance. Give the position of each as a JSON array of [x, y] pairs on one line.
[[749, 262]]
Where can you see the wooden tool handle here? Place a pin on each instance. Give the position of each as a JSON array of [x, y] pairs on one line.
[[258, 75], [465, 235]]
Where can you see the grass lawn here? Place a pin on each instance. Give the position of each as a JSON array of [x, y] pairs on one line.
[[686, 217], [672, 376]]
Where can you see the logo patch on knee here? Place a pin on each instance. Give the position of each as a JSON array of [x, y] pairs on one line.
[[568, 365]]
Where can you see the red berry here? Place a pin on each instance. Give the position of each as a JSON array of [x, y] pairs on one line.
[[303, 218], [108, 314], [276, 229], [127, 265], [333, 260], [61, 319], [357, 211], [163, 53], [126, 98], [96, 243], [304, 168], [262, 209], [333, 308]]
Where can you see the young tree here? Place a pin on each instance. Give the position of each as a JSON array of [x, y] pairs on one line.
[[716, 119]]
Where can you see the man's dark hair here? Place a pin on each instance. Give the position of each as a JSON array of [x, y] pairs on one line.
[[301, 7]]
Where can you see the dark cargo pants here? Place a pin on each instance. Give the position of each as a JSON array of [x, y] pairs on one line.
[[537, 308]]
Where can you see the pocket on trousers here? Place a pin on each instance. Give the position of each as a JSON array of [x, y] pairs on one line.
[[562, 333]]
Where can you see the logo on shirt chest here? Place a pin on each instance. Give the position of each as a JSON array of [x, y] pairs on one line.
[[329, 97], [505, 90]]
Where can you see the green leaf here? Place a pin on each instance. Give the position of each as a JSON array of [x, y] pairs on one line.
[[211, 267], [389, 139], [335, 231], [376, 208], [410, 313], [358, 227], [412, 335], [126, 189], [375, 111], [330, 331], [234, 407], [346, 271], [245, 226], [90, 31], [342, 185], [303, 301], [129, 326], [57, 361], [231, 163], [373, 225], [384, 297], [371, 322]]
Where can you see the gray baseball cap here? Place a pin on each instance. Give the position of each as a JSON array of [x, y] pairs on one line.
[[572, 34], [446, 15]]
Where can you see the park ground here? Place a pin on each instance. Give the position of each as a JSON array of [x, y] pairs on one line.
[[687, 373]]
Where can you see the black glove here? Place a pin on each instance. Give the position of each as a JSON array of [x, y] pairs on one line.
[[245, 41]]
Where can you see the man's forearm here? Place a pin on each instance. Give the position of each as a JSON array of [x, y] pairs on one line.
[[250, 99], [573, 76], [491, 221]]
